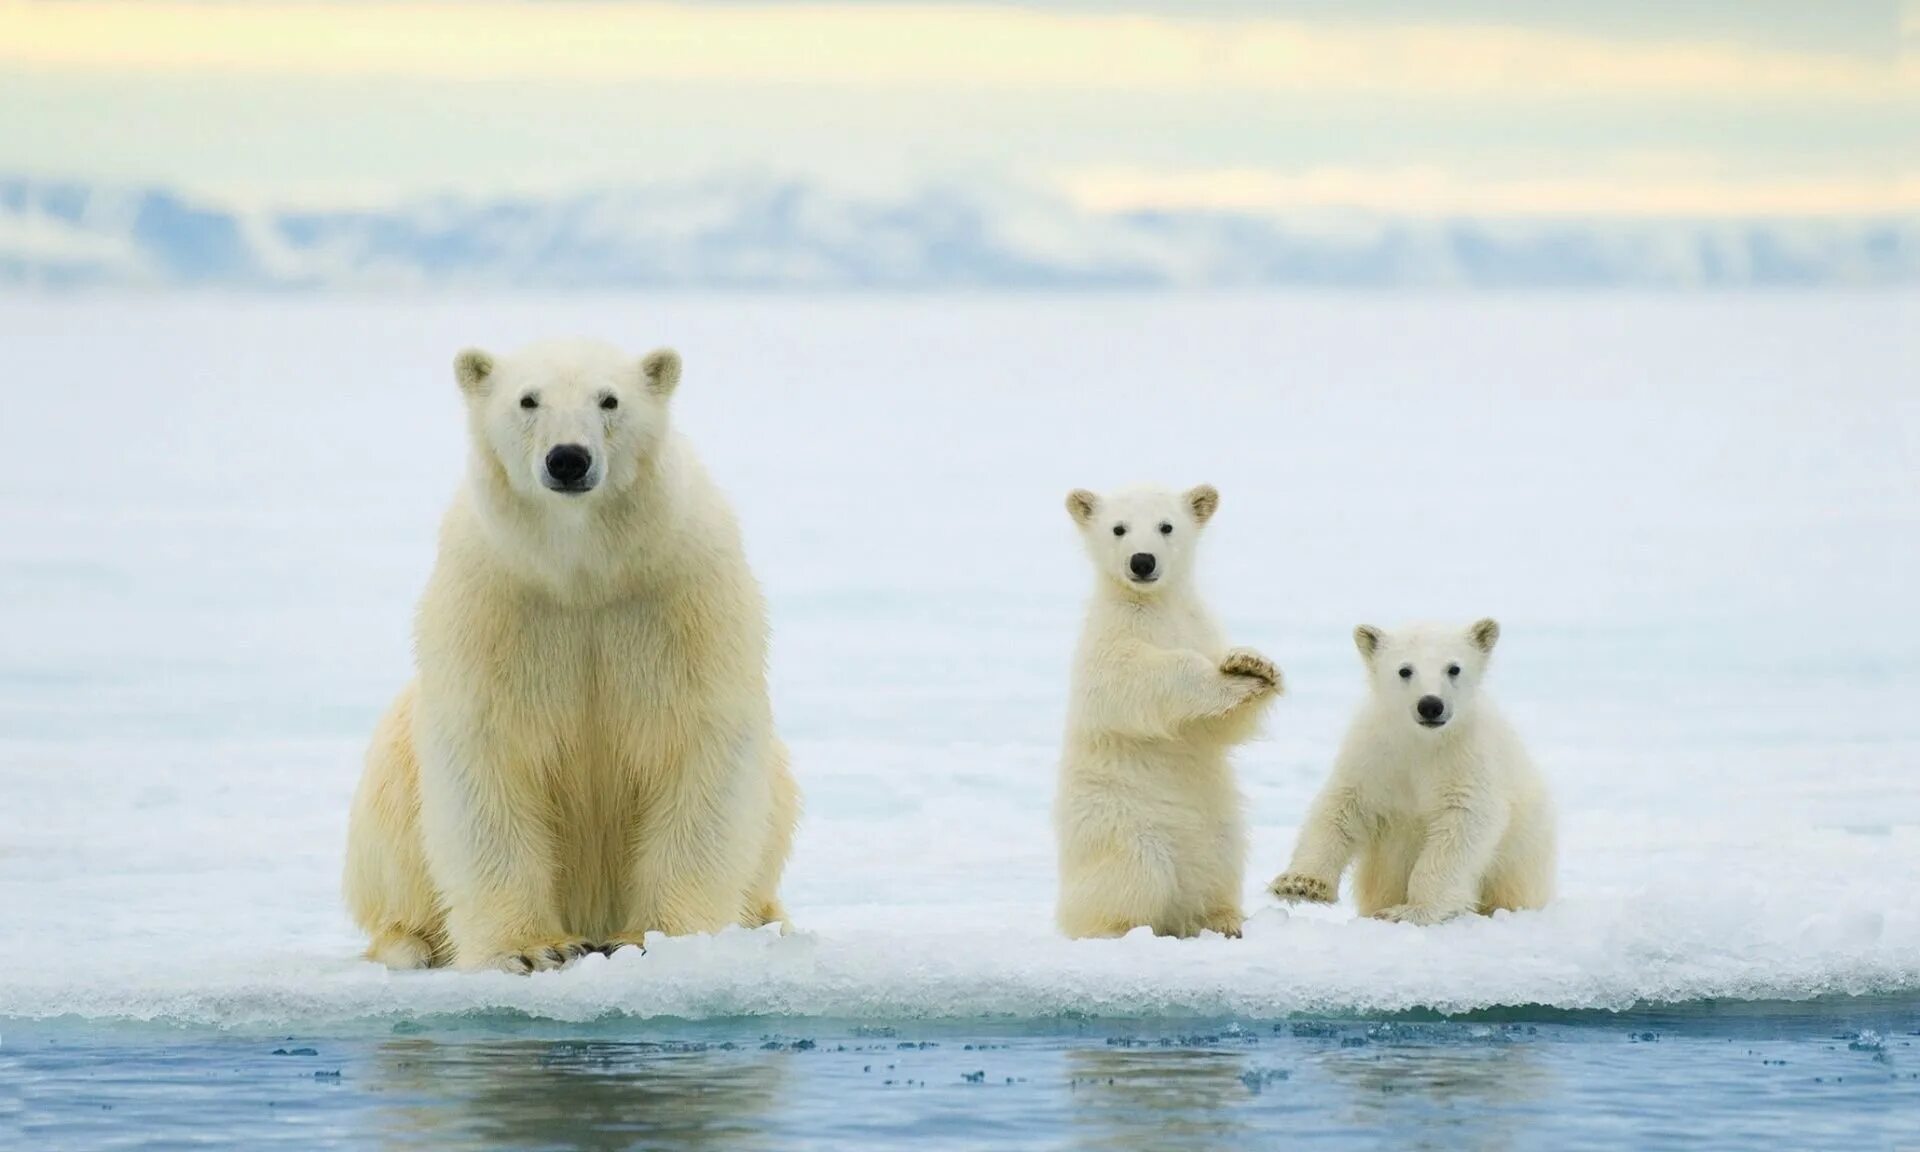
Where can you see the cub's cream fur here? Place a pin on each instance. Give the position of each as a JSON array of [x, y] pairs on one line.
[[1148, 815], [1432, 793], [588, 753]]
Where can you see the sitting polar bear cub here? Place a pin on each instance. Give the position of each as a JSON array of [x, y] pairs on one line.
[[587, 754], [1432, 791], [1147, 814]]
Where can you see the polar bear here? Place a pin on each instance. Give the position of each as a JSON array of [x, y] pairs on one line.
[[587, 753], [1147, 814], [1432, 791]]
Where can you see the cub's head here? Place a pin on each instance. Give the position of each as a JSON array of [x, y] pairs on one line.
[[1430, 673], [566, 420], [1143, 538]]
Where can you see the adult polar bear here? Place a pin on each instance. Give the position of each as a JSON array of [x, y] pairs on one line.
[[588, 753]]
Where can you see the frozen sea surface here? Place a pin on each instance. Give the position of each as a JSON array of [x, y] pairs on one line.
[[1697, 518]]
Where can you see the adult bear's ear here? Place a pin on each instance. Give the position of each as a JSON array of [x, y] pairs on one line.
[[1367, 639], [661, 367], [472, 368], [1485, 633], [1204, 500], [1081, 505]]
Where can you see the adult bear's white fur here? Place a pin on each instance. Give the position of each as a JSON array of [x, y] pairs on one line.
[[588, 753], [1148, 815], [1443, 810]]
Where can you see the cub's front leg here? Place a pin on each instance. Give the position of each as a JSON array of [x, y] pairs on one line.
[[1461, 840], [1153, 693], [1327, 843], [488, 848]]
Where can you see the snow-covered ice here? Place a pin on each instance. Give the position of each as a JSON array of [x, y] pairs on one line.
[[1697, 518]]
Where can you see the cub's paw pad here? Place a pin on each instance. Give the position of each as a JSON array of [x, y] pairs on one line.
[[1297, 889], [1412, 914], [1247, 662]]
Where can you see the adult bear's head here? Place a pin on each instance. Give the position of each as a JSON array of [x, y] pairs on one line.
[[566, 420]]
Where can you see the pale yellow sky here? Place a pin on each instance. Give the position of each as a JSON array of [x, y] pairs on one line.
[[908, 45], [1136, 106]]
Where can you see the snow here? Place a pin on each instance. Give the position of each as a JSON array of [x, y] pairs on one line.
[[1695, 518]]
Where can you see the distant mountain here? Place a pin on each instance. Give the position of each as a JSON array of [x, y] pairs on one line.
[[752, 233]]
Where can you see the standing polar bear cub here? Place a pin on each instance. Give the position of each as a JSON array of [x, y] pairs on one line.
[[1148, 814], [1432, 791], [587, 754]]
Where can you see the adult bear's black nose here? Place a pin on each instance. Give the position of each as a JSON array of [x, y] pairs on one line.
[[1430, 707], [569, 464], [1142, 564]]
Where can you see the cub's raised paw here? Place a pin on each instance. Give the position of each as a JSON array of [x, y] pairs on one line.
[[1247, 662], [541, 957], [1413, 914], [1295, 888]]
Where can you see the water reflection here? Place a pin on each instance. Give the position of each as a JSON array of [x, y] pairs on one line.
[[1436, 1085], [576, 1095], [1157, 1099]]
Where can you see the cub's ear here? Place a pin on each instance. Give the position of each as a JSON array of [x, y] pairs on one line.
[[1367, 639], [1081, 505], [471, 368], [661, 367], [1204, 501], [1485, 634]]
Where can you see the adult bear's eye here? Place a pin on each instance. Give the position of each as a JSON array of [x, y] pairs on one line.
[[1119, 529], [1166, 529], [609, 402], [1406, 671], [1453, 669], [529, 401]]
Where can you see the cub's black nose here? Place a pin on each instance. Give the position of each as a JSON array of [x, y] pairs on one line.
[[569, 463], [1142, 564], [1430, 707]]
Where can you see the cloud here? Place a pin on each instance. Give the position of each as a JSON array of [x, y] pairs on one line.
[[1432, 192], [913, 45]]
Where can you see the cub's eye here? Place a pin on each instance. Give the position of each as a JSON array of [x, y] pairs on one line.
[[609, 402], [1406, 671], [1166, 529], [1119, 529], [1453, 669], [529, 401]]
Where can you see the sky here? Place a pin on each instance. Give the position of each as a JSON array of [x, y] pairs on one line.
[[1746, 108]]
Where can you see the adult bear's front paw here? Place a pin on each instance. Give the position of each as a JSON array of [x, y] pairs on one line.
[[539, 956], [620, 940], [1295, 888]]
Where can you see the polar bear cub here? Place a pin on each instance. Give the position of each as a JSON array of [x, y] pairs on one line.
[[1147, 814], [1432, 793]]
